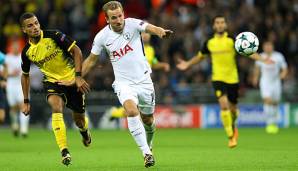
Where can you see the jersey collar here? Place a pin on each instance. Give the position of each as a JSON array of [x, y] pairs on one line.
[[225, 34], [41, 37]]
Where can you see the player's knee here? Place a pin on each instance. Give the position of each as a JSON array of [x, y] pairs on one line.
[[148, 120], [132, 112]]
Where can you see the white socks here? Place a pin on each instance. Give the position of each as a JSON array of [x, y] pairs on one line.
[[137, 130], [150, 129], [271, 112], [24, 123]]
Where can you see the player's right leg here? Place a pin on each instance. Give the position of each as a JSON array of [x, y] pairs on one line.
[[137, 130], [128, 97], [14, 121], [226, 118], [24, 120], [58, 126], [271, 93]]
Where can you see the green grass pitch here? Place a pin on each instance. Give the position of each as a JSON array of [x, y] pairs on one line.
[[174, 150]]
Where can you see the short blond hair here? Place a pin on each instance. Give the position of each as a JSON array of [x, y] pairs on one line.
[[112, 5]]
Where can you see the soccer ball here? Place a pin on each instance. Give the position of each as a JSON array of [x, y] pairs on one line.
[[246, 43]]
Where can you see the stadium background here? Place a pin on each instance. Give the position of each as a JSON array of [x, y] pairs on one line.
[[185, 99]]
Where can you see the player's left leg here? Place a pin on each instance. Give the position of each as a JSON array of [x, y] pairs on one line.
[[82, 122], [149, 125], [271, 112], [232, 91], [147, 106], [76, 102]]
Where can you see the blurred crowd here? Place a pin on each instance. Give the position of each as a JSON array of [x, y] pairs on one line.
[[191, 20]]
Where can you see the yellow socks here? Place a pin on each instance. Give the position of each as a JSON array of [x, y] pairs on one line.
[[226, 119], [85, 128], [59, 129]]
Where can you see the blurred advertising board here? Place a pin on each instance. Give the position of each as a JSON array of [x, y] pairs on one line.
[[251, 115], [294, 115], [178, 116]]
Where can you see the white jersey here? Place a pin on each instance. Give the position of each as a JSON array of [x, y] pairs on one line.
[[13, 63], [270, 82], [125, 50], [14, 88], [270, 72]]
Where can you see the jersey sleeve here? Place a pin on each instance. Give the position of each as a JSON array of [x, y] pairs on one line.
[[97, 45], [25, 61], [139, 24], [204, 50], [63, 41], [283, 62]]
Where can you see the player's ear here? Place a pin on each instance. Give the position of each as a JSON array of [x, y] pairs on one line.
[[23, 29]]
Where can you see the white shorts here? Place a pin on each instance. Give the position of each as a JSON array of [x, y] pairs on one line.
[[271, 90], [14, 94], [142, 94]]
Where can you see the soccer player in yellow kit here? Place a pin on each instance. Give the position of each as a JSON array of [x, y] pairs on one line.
[[59, 58], [150, 54], [225, 81], [224, 75]]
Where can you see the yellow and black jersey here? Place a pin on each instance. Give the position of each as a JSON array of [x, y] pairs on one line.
[[150, 55], [223, 58], [52, 55]]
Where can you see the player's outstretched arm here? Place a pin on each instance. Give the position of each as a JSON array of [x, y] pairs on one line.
[[161, 65], [257, 57], [89, 63], [184, 65], [25, 81], [159, 31], [82, 85], [283, 74], [256, 76]]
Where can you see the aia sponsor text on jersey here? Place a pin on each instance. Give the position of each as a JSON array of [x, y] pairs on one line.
[[121, 52]]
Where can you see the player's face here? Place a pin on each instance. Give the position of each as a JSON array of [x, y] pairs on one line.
[[268, 47], [146, 37], [31, 27], [116, 19], [220, 25]]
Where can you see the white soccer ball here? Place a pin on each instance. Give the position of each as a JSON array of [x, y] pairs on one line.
[[246, 43]]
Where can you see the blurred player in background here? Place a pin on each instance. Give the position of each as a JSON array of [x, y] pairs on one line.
[[225, 81], [121, 39], [271, 76], [150, 54], [19, 122], [3, 76], [59, 58]]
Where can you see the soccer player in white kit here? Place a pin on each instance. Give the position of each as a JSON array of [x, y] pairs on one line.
[[19, 122], [270, 83], [121, 39]]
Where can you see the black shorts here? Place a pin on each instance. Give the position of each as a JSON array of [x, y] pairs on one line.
[[73, 99], [2, 98], [222, 88]]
